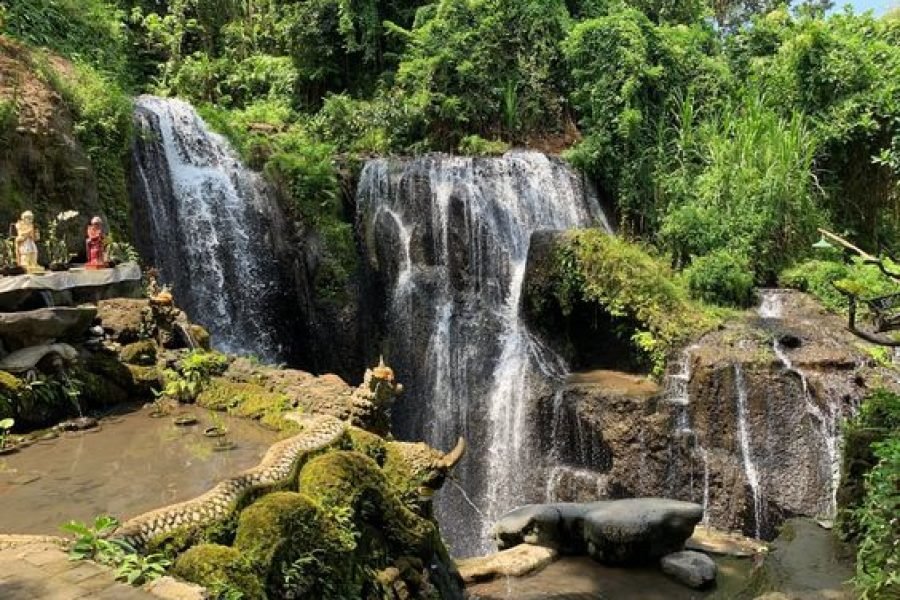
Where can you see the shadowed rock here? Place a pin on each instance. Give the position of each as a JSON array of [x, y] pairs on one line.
[[35, 327], [693, 569], [613, 532]]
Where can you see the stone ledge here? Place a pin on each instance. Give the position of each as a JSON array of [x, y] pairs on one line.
[[514, 562]]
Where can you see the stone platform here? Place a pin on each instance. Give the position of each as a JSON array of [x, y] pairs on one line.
[[70, 287], [33, 568]]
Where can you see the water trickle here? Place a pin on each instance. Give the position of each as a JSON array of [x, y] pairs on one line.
[[771, 305], [828, 425], [750, 470], [450, 237], [206, 228]]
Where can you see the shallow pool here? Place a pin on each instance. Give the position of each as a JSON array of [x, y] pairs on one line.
[[131, 464]]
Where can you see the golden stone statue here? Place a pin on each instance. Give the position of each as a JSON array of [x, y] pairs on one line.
[[27, 236]]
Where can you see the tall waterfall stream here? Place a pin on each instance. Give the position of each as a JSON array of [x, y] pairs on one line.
[[452, 236], [207, 228]]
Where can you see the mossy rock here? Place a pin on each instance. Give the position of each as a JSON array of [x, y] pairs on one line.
[[201, 336], [219, 569], [10, 388], [243, 399], [99, 391], [109, 367], [287, 530], [141, 353], [366, 442], [145, 380], [355, 481]]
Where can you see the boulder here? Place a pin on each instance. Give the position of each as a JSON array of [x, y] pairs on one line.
[[638, 530], [36, 327], [24, 360], [124, 319], [514, 562], [614, 532], [693, 569]]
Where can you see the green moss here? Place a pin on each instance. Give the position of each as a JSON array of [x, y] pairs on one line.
[[145, 379], [366, 442], [100, 391], [139, 353], [249, 400], [407, 478], [10, 387], [220, 569], [354, 481], [201, 336], [109, 367], [288, 536]]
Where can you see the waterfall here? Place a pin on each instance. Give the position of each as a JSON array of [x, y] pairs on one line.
[[449, 237], [206, 227], [678, 395], [828, 425], [750, 470], [575, 456], [771, 304]]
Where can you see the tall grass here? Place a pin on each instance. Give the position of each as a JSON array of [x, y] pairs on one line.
[[752, 189]]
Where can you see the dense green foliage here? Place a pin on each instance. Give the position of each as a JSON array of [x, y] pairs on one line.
[[724, 132], [629, 284], [870, 515]]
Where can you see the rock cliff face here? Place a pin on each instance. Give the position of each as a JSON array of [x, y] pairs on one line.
[[42, 166], [747, 422]]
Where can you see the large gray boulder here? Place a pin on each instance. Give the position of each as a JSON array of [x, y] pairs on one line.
[[637, 530], [624, 531], [693, 569], [36, 327]]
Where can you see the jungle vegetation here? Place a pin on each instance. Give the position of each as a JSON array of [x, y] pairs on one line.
[[722, 133]]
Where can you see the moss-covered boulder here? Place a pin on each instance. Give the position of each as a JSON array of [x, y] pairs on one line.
[[367, 443], [10, 387], [354, 481], [141, 353], [201, 336], [298, 549], [244, 399], [221, 569]]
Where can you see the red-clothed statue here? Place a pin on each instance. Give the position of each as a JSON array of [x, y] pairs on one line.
[[94, 244]]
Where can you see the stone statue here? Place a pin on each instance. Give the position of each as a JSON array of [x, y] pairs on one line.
[[27, 236], [94, 244]]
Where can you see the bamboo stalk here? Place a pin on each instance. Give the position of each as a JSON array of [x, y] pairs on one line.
[[841, 241]]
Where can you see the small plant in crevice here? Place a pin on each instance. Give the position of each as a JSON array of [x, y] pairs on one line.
[[5, 426], [135, 569], [92, 543]]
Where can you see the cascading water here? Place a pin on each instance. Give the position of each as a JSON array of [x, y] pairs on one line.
[[828, 425], [449, 237], [750, 470], [678, 395], [206, 228], [573, 455]]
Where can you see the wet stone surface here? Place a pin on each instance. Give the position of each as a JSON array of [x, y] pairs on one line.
[[130, 464]]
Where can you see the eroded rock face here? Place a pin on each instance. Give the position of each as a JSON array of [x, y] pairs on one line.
[[615, 532], [36, 327], [782, 384]]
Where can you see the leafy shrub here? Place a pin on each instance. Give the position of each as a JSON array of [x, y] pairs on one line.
[[629, 284], [819, 278], [878, 555], [86, 30], [723, 277], [870, 494], [475, 145], [103, 126]]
